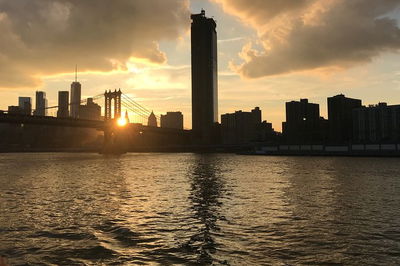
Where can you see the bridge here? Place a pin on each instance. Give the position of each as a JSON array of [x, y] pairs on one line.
[[113, 103]]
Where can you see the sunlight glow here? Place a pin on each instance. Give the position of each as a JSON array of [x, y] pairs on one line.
[[121, 122]]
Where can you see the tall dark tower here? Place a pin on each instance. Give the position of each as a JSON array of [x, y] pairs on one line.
[[75, 96], [204, 77]]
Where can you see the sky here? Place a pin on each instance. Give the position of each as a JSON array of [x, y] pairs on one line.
[[269, 52]]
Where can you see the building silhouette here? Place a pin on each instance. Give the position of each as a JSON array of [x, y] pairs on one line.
[[90, 111], [245, 127], [63, 104], [25, 104], [152, 120], [340, 117], [204, 77], [376, 124], [303, 122], [41, 104], [172, 120], [75, 99], [14, 110]]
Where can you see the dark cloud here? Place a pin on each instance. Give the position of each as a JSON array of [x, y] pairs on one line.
[[313, 34], [43, 37]]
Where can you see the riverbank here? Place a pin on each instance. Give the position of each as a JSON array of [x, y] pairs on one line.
[[354, 150]]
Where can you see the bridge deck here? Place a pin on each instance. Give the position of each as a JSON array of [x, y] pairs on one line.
[[71, 122], [50, 121]]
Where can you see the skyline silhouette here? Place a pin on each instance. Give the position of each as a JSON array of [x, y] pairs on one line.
[[168, 83], [199, 132]]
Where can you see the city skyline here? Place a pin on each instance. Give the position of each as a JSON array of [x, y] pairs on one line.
[[166, 84], [199, 132]]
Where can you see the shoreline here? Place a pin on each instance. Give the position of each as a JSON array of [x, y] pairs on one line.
[[248, 153]]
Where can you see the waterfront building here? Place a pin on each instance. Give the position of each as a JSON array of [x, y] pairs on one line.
[[340, 110], [303, 122], [204, 77], [63, 104], [244, 127], [376, 123], [172, 120], [152, 120], [41, 104]]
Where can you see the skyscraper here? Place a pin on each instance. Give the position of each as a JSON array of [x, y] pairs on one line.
[[63, 104], [204, 76], [75, 97], [41, 104], [340, 117], [25, 104]]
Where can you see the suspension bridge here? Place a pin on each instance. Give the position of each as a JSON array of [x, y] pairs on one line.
[[117, 105], [137, 112]]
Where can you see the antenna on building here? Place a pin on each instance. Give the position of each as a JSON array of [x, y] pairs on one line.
[[76, 73]]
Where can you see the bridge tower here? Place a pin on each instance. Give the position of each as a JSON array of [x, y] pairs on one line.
[[109, 96], [109, 145]]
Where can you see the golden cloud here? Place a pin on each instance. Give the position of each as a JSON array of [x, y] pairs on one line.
[[310, 34], [46, 37]]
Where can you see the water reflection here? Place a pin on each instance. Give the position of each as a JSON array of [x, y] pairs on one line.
[[338, 205], [207, 188], [54, 206], [81, 209]]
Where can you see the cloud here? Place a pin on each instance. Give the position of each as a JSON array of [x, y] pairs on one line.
[[310, 34], [47, 37]]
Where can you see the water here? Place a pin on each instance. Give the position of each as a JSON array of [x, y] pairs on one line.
[[87, 209]]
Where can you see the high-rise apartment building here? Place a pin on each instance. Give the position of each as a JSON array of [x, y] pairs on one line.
[[244, 127], [376, 124], [340, 117], [204, 77], [303, 123]]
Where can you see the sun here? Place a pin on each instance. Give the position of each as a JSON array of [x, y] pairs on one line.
[[121, 122]]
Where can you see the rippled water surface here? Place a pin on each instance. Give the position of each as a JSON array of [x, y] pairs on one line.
[[87, 209]]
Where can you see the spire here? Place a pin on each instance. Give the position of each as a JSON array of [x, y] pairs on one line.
[[126, 116], [152, 120], [76, 73]]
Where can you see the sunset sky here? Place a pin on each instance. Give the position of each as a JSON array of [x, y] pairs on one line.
[[269, 51]]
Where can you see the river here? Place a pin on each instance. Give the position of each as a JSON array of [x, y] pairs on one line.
[[89, 209]]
